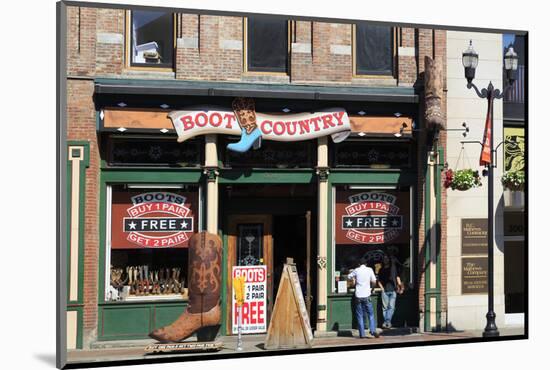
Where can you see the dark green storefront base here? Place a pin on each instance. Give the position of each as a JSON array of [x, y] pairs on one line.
[[341, 311], [126, 320]]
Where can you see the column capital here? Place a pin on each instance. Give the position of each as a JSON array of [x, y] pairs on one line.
[[211, 173], [323, 173]]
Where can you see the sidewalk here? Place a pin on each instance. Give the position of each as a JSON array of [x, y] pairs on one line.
[[134, 350]]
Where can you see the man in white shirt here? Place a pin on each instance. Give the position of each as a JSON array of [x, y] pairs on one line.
[[364, 281]]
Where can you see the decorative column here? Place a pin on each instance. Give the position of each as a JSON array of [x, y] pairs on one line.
[[77, 161], [322, 246], [211, 172]]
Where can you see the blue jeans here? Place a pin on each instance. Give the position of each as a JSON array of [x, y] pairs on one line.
[[362, 305], [388, 305]]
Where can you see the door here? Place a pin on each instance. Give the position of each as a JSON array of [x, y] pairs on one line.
[[249, 244]]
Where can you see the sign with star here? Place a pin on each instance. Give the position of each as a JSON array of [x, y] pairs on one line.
[[154, 219], [372, 217]]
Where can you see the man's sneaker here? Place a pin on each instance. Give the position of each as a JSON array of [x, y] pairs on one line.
[[376, 334]]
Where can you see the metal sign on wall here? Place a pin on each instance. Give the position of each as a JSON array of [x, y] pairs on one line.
[[372, 217], [474, 236], [154, 219], [474, 275]]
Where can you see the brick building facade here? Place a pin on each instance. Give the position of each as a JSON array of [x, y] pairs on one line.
[[210, 49]]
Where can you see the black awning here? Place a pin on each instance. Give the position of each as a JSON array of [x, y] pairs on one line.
[[274, 91]]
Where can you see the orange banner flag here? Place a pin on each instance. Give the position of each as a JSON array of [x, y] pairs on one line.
[[485, 158]]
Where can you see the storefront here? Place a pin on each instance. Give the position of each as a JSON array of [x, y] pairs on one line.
[[322, 203]]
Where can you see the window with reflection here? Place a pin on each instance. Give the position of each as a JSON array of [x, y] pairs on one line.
[[148, 232], [151, 38], [372, 223]]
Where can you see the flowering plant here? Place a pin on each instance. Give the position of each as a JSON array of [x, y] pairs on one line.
[[462, 179], [513, 180]]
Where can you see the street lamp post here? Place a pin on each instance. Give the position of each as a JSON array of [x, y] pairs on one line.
[[470, 60]]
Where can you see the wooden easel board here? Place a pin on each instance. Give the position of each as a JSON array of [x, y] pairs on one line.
[[289, 326]]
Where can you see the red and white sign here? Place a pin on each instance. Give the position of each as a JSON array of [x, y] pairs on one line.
[[254, 308], [373, 217], [153, 219], [279, 127]]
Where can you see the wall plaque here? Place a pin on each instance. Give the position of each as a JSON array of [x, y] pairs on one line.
[[474, 275], [474, 236]]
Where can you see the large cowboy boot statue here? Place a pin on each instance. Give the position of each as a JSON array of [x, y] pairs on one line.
[[245, 112], [203, 314]]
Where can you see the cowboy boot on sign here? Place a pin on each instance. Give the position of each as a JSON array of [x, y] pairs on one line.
[[245, 112]]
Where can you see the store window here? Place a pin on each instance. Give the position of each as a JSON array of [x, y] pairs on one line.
[[266, 44], [373, 50], [150, 38], [372, 223], [148, 233]]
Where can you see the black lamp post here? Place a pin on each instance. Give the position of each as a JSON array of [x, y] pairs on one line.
[[469, 60]]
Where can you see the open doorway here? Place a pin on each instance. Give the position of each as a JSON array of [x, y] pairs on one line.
[[285, 219], [292, 238]]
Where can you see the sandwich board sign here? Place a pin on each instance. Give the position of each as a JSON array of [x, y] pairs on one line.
[[289, 326]]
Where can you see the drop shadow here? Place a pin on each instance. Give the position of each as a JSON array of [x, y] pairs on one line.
[[46, 358]]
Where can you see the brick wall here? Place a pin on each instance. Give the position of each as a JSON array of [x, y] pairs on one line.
[[81, 41], [110, 41], [440, 51], [434, 44], [209, 48], [81, 125]]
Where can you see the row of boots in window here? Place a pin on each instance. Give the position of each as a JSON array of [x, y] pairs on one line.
[[144, 282]]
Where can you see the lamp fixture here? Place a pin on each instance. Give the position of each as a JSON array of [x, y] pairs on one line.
[[470, 59]]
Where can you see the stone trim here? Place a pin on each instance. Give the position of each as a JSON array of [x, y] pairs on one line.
[[110, 38], [404, 51], [231, 44], [187, 42], [301, 47], [340, 49]]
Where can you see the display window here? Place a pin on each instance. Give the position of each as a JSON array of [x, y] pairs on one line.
[[372, 223], [149, 227]]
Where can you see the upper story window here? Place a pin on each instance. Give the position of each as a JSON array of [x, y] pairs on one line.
[[267, 43], [150, 38], [374, 50]]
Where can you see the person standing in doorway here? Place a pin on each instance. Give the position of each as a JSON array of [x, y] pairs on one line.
[[364, 281], [390, 284]]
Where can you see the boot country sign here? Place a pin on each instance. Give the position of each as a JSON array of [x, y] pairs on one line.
[[152, 219], [252, 126], [287, 127]]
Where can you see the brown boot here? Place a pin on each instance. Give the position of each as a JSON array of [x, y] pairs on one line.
[[203, 314]]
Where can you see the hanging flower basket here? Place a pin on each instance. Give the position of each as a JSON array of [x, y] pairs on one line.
[[462, 180], [513, 180], [514, 184]]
